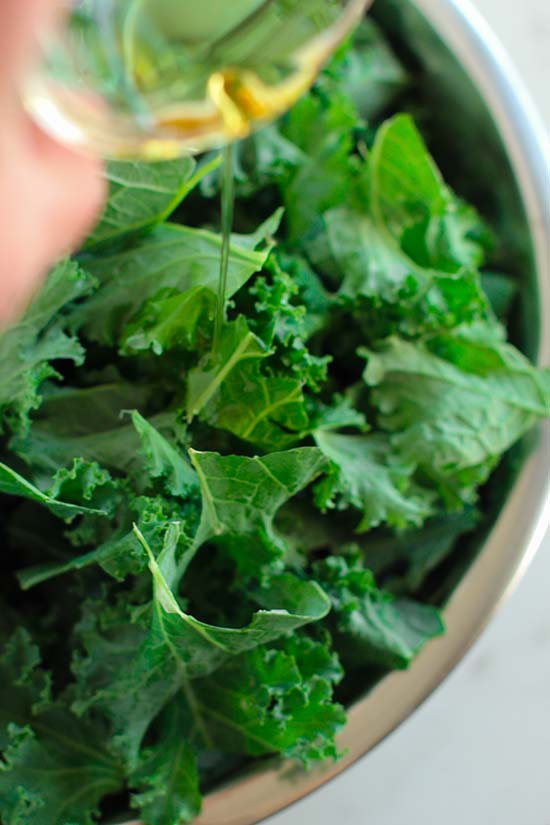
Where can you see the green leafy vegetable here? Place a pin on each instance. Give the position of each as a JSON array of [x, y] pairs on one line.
[[168, 774], [403, 561], [198, 648], [170, 257], [323, 129], [143, 195], [275, 701], [87, 422], [55, 767], [237, 344], [369, 477], [275, 422], [457, 402], [28, 349], [406, 240], [170, 320], [241, 497], [213, 540], [163, 459], [370, 74], [377, 628], [12, 484], [179, 648]]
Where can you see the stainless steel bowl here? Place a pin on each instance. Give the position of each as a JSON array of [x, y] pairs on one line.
[[468, 72]]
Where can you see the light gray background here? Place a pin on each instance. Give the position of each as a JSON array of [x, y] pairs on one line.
[[478, 752]]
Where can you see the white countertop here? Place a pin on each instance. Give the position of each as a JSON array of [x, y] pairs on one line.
[[478, 752]]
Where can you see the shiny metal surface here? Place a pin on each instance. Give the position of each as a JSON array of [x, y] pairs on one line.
[[523, 521]]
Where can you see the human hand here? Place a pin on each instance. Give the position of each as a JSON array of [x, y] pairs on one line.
[[49, 195]]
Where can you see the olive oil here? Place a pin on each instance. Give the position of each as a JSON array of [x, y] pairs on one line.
[[228, 206]]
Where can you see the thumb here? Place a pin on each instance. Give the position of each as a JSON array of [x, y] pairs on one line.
[[21, 23]]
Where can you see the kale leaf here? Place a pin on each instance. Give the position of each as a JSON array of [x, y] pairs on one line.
[[207, 534]]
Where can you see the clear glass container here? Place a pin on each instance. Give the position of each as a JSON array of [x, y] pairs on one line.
[[159, 78]]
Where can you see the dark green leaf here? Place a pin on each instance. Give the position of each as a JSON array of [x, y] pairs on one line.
[[55, 768], [403, 561], [88, 423], [178, 647], [114, 549], [164, 460], [501, 291], [378, 628], [168, 775], [323, 129], [274, 701], [197, 648]]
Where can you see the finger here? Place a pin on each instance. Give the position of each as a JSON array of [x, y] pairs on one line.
[[58, 226], [55, 196], [74, 189], [21, 23]]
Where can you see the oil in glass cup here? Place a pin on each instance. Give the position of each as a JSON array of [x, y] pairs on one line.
[[160, 78]]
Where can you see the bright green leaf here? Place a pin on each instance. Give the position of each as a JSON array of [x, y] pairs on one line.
[[237, 344], [164, 460], [142, 195], [171, 320], [458, 410], [12, 484], [171, 257], [241, 497]]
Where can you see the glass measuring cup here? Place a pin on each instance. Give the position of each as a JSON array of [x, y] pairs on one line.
[[160, 78]]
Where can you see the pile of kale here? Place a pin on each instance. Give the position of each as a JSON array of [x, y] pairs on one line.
[[200, 544]]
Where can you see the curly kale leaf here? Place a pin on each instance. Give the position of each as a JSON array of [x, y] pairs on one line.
[[55, 768]]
